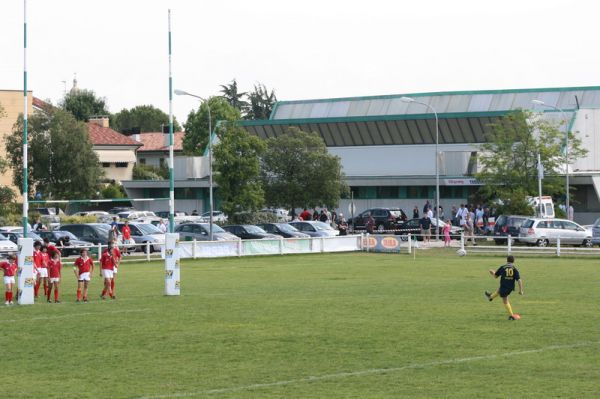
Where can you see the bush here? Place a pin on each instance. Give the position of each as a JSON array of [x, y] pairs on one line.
[[252, 218], [113, 190], [13, 219], [7, 195], [77, 219], [149, 172]]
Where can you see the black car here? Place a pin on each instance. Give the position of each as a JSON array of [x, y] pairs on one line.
[[385, 219], [508, 225], [282, 229], [248, 231], [96, 233], [65, 241]]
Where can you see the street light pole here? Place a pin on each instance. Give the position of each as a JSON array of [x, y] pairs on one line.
[[564, 115], [437, 169], [210, 172]]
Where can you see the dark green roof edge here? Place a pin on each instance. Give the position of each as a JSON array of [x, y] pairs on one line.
[[372, 118], [438, 93]]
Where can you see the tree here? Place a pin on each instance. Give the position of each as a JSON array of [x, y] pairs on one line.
[[145, 117], [261, 102], [297, 171], [196, 125], [62, 164], [84, 104], [237, 167], [233, 97], [508, 160]]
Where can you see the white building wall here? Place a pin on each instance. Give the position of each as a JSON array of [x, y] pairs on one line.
[[586, 127]]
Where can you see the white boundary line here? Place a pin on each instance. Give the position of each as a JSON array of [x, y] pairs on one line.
[[65, 316], [366, 372]]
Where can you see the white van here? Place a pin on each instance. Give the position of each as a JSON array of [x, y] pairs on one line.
[[546, 210]]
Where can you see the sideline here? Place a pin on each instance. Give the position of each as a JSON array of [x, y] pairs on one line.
[[366, 372]]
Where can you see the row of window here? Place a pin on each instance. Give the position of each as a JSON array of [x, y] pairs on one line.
[[408, 192], [183, 193], [116, 164]]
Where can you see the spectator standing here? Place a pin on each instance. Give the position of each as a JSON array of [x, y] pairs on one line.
[[343, 225], [315, 215], [425, 225], [370, 225], [416, 212], [446, 232], [323, 217], [305, 215], [426, 206], [162, 226]]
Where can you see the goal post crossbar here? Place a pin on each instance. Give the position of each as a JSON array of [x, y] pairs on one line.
[[104, 200]]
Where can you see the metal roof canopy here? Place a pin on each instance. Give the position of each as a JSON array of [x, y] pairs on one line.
[[389, 130]]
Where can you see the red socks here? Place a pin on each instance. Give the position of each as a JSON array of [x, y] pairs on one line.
[[79, 295], [56, 294], [10, 296], [112, 287], [36, 289]]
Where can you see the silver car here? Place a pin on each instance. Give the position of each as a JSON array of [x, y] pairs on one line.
[[543, 232], [596, 232], [200, 232]]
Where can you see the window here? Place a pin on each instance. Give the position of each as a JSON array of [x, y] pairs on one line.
[[387, 192], [418, 192], [143, 161], [161, 162], [121, 164], [106, 164]]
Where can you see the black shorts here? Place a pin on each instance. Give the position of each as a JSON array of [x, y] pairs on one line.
[[504, 292]]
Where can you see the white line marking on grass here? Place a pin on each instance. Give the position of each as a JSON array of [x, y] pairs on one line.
[[65, 316], [366, 372]]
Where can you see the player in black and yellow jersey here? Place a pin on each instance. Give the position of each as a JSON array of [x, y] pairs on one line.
[[508, 274]]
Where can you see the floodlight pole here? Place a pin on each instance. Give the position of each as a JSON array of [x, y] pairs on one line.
[[437, 169], [564, 115], [210, 173], [25, 139]]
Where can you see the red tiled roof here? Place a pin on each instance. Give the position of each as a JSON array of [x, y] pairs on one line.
[[154, 141], [106, 136], [41, 104]]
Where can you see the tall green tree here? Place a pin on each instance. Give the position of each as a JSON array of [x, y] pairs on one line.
[[261, 102], [237, 167], [84, 104], [508, 160], [62, 164], [233, 96], [147, 118], [196, 125], [298, 171]]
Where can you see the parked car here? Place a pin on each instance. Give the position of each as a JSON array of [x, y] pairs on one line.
[[508, 225], [543, 232], [13, 234], [91, 213], [200, 232], [282, 215], [218, 216], [596, 232], [66, 241], [249, 232], [282, 229], [385, 219], [119, 209], [315, 229], [96, 233], [7, 246], [165, 214], [50, 216], [144, 233], [134, 215]]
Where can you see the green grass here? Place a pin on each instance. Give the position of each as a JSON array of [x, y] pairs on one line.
[[398, 327]]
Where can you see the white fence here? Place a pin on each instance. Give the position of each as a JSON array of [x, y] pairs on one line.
[[508, 245]]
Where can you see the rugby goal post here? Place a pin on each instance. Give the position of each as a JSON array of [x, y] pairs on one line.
[[25, 272]]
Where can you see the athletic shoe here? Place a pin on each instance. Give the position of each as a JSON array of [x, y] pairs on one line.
[[511, 318], [49, 301], [57, 301], [488, 295], [78, 301], [7, 303], [102, 297], [11, 303], [113, 297], [85, 300]]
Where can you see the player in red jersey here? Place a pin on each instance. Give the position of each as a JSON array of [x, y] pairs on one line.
[[84, 267], [54, 267], [44, 269], [38, 259], [117, 258], [10, 269], [107, 264], [51, 248]]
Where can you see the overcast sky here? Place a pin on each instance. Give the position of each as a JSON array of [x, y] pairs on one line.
[[302, 49]]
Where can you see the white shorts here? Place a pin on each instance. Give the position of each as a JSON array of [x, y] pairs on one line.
[[9, 280], [54, 280], [107, 273], [84, 276], [42, 272]]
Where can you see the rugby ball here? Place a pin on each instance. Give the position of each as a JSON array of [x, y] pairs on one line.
[[461, 252]]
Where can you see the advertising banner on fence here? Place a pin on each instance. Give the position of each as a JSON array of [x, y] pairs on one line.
[[381, 243]]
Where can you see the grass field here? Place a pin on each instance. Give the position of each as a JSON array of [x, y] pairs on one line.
[[313, 326]]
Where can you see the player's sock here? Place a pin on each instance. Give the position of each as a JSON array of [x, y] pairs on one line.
[[103, 292], [36, 289], [79, 295], [56, 294], [508, 309], [112, 287], [6, 296], [494, 295], [10, 296]]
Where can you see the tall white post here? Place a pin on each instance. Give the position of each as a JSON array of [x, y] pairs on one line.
[[172, 269]]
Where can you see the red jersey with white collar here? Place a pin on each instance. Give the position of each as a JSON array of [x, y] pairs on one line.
[[126, 231], [37, 258], [45, 260], [10, 269], [52, 249], [107, 261], [84, 265], [54, 268]]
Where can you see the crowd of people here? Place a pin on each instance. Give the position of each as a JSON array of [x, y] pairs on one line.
[[336, 221]]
